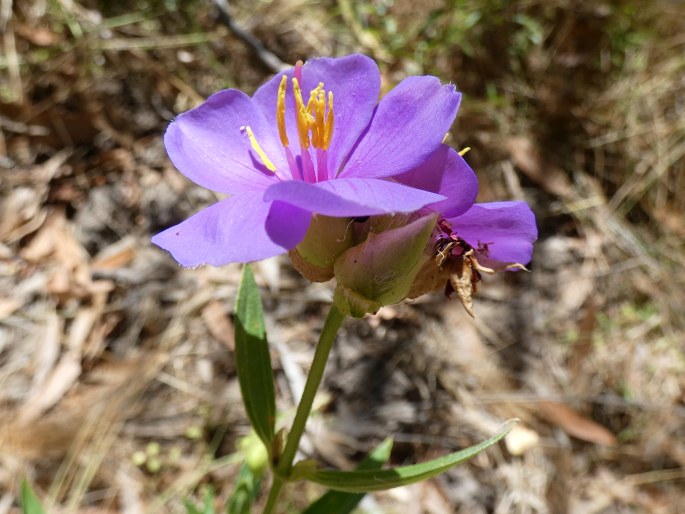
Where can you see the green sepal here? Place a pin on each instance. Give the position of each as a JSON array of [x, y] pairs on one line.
[[253, 361], [381, 270], [364, 481]]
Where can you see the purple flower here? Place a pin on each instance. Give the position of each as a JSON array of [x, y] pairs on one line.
[[501, 233], [468, 238], [314, 140]]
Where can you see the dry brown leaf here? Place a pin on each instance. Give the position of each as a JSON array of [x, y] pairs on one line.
[[46, 240], [5, 252], [463, 284], [583, 347], [96, 342], [575, 424], [63, 376], [47, 351], [8, 306], [670, 219], [81, 327], [219, 324], [433, 499], [38, 35], [575, 290], [59, 282], [70, 253], [20, 214], [72, 274], [115, 256], [530, 161]]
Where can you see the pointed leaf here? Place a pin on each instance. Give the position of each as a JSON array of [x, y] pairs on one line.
[[29, 501], [338, 502], [244, 492], [380, 480], [253, 361]]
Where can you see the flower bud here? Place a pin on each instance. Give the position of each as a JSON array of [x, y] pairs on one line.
[[380, 271], [326, 239], [255, 453]]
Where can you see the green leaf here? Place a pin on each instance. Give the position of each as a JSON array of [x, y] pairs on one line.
[[245, 491], [380, 480], [338, 502], [29, 501], [253, 361], [207, 504]]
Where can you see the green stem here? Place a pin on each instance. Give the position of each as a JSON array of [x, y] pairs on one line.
[[323, 349], [273, 495]]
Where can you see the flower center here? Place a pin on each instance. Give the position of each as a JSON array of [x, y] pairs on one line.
[[314, 123]]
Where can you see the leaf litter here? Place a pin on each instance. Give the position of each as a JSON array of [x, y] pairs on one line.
[[107, 346]]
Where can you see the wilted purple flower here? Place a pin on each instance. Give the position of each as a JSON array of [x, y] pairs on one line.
[[488, 237], [288, 152], [501, 234]]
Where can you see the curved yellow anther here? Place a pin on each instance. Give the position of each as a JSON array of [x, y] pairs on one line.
[[319, 111], [314, 125], [280, 111], [301, 115], [328, 131], [464, 151], [313, 110], [255, 146]]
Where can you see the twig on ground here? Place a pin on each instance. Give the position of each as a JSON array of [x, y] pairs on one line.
[[268, 58]]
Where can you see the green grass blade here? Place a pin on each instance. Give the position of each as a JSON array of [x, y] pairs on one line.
[[338, 502], [245, 492], [253, 361], [380, 480], [207, 504], [29, 501]]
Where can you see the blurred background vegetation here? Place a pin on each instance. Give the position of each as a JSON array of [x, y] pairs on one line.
[[106, 348]]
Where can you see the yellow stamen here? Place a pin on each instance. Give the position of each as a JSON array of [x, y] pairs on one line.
[[319, 130], [301, 116], [314, 125], [464, 151], [328, 131], [280, 111], [255, 146], [314, 97], [312, 118]]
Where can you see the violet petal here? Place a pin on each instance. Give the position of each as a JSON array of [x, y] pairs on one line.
[[351, 197], [408, 125], [507, 228], [232, 230], [445, 172], [207, 144], [286, 224]]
